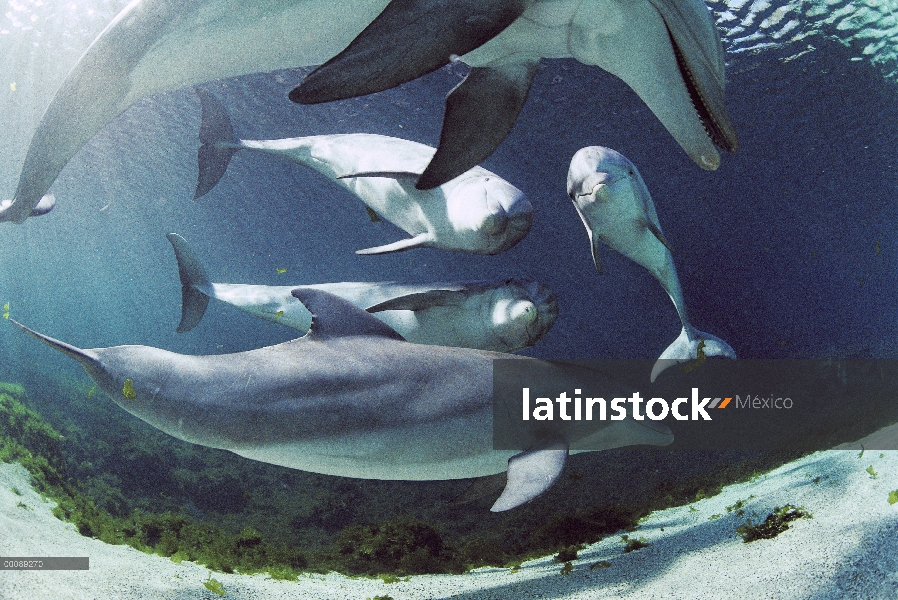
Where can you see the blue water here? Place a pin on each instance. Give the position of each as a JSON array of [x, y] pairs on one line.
[[788, 250]]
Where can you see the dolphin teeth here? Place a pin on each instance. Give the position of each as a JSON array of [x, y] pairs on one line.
[[700, 104]]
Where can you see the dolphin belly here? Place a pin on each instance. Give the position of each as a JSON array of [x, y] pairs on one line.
[[454, 448]]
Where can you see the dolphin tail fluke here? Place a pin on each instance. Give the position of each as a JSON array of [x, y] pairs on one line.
[[530, 474], [410, 38], [422, 240], [88, 358], [422, 300], [218, 143], [480, 113], [691, 344], [45, 205], [195, 284]]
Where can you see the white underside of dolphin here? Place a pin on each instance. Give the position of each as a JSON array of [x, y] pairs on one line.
[[351, 398], [477, 212], [503, 316], [154, 46], [616, 208]]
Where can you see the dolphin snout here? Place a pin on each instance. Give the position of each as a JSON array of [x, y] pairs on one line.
[[496, 219], [523, 311], [510, 215], [535, 305]]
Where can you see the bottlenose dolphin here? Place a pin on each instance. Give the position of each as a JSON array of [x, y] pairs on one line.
[[668, 51], [155, 46], [476, 212], [46, 204], [502, 316], [350, 398], [615, 206]]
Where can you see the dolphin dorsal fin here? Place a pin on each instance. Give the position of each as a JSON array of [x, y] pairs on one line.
[[530, 474], [334, 317]]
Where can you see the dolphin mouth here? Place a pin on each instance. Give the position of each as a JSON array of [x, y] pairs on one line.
[[718, 127], [543, 300], [605, 182]]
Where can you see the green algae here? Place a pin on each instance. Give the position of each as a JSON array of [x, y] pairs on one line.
[[214, 586], [776, 523], [633, 544], [567, 554], [123, 482], [402, 546]]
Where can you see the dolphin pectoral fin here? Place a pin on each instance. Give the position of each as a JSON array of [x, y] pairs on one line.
[[195, 284], [691, 344], [410, 38], [480, 113], [594, 246], [334, 317], [422, 300], [657, 233], [481, 487], [218, 143], [422, 240], [530, 474], [700, 55]]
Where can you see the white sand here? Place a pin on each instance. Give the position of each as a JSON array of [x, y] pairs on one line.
[[849, 549]]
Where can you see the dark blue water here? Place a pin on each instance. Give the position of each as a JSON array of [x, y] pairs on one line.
[[788, 250]]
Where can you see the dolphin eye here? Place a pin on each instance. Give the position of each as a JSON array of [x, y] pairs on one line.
[[572, 196], [631, 172]]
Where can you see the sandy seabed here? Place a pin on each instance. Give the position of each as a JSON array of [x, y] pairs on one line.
[[848, 549]]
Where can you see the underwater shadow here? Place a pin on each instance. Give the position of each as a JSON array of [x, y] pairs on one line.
[[639, 568]]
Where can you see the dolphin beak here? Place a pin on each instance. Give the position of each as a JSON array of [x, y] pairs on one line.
[[700, 58]]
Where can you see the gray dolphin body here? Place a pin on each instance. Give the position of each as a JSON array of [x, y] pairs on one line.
[[154, 46], [477, 212], [668, 51], [351, 398], [503, 316], [616, 208]]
